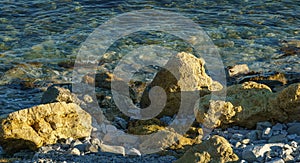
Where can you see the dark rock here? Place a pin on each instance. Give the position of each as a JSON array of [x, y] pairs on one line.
[[294, 129], [59, 94]]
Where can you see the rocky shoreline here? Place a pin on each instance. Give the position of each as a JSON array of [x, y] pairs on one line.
[[257, 122], [265, 143]]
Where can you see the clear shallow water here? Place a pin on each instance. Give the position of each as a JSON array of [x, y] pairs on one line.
[[48, 32]]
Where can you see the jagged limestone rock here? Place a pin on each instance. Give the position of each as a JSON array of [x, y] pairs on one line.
[[249, 103], [288, 100], [215, 113], [183, 73], [216, 149], [81, 98], [245, 105], [43, 124]]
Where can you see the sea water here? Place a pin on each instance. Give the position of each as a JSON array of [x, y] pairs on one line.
[[37, 35]]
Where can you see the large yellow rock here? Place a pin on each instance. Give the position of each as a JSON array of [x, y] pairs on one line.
[[288, 100], [43, 124], [245, 105], [184, 73], [216, 149], [249, 103]]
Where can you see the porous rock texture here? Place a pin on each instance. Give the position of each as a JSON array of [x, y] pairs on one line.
[[288, 100], [56, 93], [43, 124], [184, 73], [216, 149], [249, 103]]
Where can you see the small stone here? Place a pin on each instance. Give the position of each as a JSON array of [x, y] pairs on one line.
[[238, 144], [121, 122], [256, 152], [69, 141], [245, 141], [88, 99], [287, 149], [276, 151], [260, 142], [65, 146], [294, 144], [56, 147], [276, 160], [237, 136], [294, 129], [133, 151], [45, 149], [91, 148], [233, 141], [75, 143], [74, 151], [252, 135], [284, 132], [288, 158], [112, 149], [276, 132], [102, 128], [95, 141], [81, 147], [238, 70], [277, 127], [111, 129], [292, 124], [267, 133], [263, 125], [277, 139]]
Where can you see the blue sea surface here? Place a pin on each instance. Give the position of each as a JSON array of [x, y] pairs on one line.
[[37, 35]]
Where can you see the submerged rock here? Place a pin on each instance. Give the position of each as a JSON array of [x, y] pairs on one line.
[[43, 124], [291, 47]]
